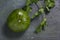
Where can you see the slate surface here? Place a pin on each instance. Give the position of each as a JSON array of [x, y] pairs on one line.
[[52, 31]]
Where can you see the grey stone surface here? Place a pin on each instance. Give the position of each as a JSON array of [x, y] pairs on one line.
[[52, 31]]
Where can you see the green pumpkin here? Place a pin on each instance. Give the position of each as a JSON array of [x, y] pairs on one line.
[[18, 20]]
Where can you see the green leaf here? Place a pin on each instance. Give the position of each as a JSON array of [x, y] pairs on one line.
[[42, 24]]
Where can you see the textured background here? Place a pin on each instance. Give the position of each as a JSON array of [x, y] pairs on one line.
[[52, 31]]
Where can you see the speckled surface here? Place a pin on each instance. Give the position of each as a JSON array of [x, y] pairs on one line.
[[52, 31]]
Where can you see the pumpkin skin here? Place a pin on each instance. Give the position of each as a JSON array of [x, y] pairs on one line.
[[18, 20]]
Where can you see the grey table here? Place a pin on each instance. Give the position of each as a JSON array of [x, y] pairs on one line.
[[52, 31]]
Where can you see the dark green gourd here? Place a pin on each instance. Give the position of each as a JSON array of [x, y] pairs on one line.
[[18, 20]]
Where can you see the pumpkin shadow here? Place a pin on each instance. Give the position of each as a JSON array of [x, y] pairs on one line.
[[10, 34]]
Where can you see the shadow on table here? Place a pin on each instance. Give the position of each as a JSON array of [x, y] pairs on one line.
[[9, 34]]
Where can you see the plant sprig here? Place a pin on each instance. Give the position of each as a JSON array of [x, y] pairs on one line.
[[42, 10]]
